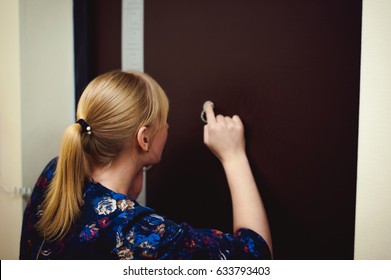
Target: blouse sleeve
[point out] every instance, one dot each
(30, 239)
(156, 237)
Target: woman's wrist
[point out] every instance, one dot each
(234, 160)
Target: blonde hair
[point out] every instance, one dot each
(115, 105)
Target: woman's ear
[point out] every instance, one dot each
(143, 138)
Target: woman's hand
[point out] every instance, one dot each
(224, 136)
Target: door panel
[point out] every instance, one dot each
(290, 69)
(97, 40)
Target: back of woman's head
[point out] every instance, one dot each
(115, 106)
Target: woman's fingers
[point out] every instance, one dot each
(223, 134)
(236, 119)
(220, 119)
(208, 109)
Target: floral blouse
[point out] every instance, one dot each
(113, 226)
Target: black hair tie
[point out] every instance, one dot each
(85, 127)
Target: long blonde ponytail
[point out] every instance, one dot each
(64, 197)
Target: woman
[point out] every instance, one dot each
(83, 205)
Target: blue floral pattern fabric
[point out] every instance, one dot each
(113, 226)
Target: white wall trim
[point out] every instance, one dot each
(373, 204)
(132, 51)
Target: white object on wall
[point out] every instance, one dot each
(132, 56)
(373, 207)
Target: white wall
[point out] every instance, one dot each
(10, 127)
(37, 99)
(373, 212)
(47, 64)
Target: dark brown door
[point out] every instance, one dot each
(291, 70)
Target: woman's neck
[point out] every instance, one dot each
(122, 175)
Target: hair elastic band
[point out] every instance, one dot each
(85, 127)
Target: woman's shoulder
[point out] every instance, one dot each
(105, 202)
(107, 209)
(43, 181)
(47, 174)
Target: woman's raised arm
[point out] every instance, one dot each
(224, 136)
